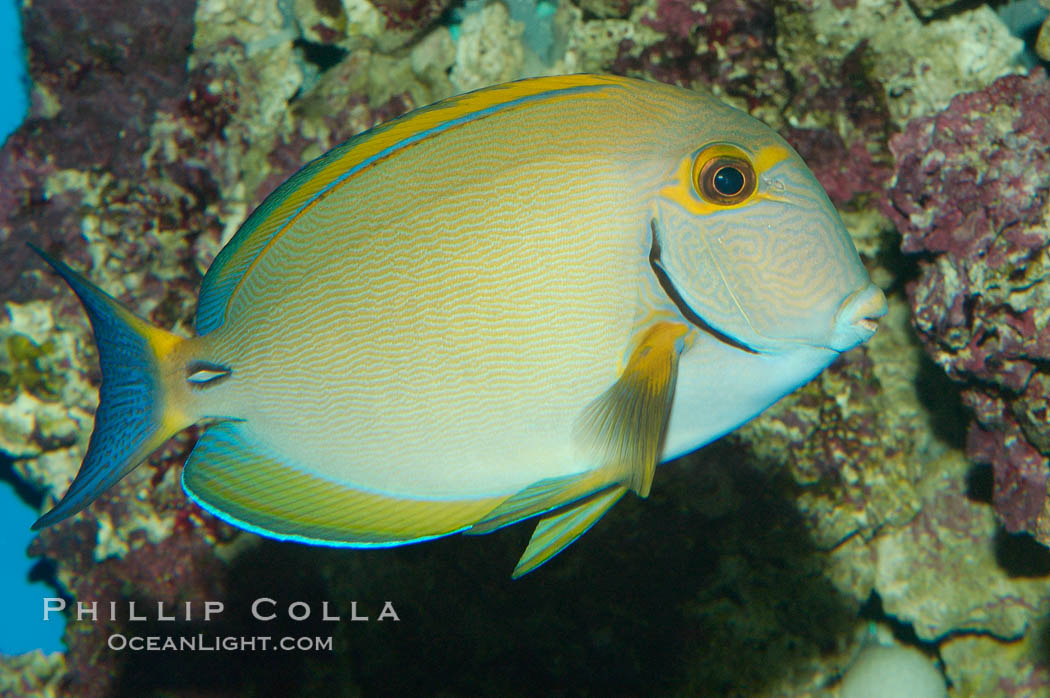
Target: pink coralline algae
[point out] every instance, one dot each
(844, 170)
(727, 44)
(107, 69)
(971, 196)
(730, 47)
(412, 15)
(850, 155)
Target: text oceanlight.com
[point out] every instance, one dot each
(205, 643)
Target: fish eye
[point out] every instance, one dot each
(723, 175)
(728, 180)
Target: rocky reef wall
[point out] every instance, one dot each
(906, 486)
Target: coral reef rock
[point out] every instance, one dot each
(154, 130)
(972, 194)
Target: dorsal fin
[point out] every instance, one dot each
(342, 163)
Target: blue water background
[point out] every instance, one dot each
(21, 602)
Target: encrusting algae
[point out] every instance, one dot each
(762, 555)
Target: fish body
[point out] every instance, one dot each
(512, 303)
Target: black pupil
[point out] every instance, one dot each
(728, 181)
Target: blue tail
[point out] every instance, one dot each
(131, 421)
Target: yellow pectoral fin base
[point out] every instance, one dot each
(625, 426)
(623, 429)
(238, 481)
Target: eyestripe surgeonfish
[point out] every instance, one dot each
(513, 303)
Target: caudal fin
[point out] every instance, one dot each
(133, 416)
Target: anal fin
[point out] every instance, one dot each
(540, 498)
(557, 531)
(242, 482)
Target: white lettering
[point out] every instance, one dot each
(84, 609)
(353, 612)
(117, 642)
(212, 607)
(305, 611)
(324, 612)
(388, 612)
(160, 612)
(259, 602)
(55, 604)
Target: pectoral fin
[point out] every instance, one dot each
(556, 532)
(624, 427)
(621, 432)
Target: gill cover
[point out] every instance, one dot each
(752, 245)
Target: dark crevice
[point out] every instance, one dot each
(904, 267)
(32, 496)
(940, 396)
(324, 56)
(980, 483)
(956, 8)
(903, 633)
(1021, 555)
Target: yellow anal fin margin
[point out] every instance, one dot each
(240, 482)
(556, 532)
(624, 427)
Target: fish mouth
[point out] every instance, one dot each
(868, 324)
(857, 318)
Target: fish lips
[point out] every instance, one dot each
(857, 318)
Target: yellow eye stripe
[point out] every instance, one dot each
(683, 187)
